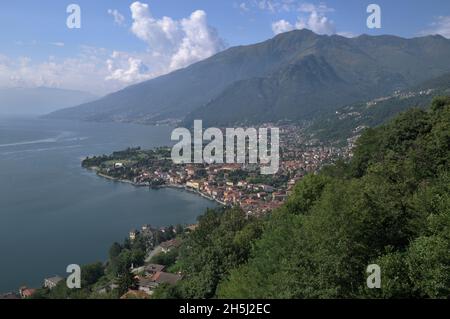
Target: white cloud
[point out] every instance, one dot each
(171, 44)
(441, 26)
(282, 26)
(309, 8)
(279, 6)
(126, 69)
(58, 44)
(275, 5)
(347, 34)
(119, 19)
(316, 20)
(86, 72)
(243, 7)
(199, 41)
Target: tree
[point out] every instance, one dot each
(393, 209)
(90, 274)
(115, 251)
(126, 282)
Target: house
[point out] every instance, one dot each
(152, 269)
(167, 246)
(166, 278)
(267, 188)
(9, 296)
(193, 184)
(192, 228)
(52, 282)
(147, 285)
(242, 184)
(27, 292)
(133, 234)
(135, 294)
(147, 232)
(107, 288)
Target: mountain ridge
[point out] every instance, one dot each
(300, 74)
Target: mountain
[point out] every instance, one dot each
(389, 206)
(349, 120)
(38, 101)
(295, 76)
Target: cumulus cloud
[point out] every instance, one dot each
(316, 20)
(172, 44)
(119, 19)
(199, 41)
(282, 26)
(441, 26)
(86, 72)
(127, 69)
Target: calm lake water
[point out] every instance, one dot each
(53, 213)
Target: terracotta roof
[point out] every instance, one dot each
(170, 243)
(28, 292)
(166, 278)
(135, 294)
(154, 268)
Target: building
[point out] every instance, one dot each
(167, 246)
(52, 282)
(27, 292)
(193, 184)
(135, 294)
(9, 296)
(107, 288)
(192, 228)
(133, 234)
(166, 278)
(147, 285)
(152, 269)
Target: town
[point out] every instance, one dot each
(230, 185)
(238, 184)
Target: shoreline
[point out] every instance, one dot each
(171, 186)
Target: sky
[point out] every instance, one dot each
(123, 42)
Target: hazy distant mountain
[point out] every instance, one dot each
(41, 100)
(295, 76)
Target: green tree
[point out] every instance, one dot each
(126, 281)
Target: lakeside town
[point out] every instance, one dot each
(151, 243)
(239, 185)
(231, 185)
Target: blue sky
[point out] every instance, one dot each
(114, 49)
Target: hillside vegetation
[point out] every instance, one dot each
(389, 206)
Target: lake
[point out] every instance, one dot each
(54, 213)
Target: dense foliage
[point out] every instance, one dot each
(112, 279)
(389, 206)
(340, 124)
